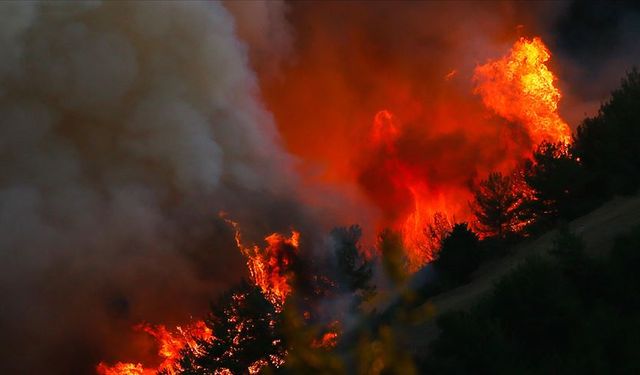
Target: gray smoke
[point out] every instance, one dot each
(124, 129)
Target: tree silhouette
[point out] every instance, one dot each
(499, 205)
(558, 182)
(354, 269)
(609, 144)
(460, 253)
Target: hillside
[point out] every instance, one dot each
(597, 229)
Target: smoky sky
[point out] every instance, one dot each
(595, 43)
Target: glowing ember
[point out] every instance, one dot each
(520, 88)
(170, 345)
(329, 339)
(269, 267)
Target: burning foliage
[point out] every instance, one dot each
(270, 267)
(171, 344)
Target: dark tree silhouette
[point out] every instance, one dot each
(460, 254)
(609, 143)
(393, 259)
(499, 205)
(354, 270)
(558, 182)
(575, 316)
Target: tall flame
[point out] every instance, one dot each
(427, 222)
(270, 267)
(521, 88)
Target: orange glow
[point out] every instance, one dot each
(121, 368)
(422, 201)
(521, 88)
(329, 339)
(170, 344)
(269, 267)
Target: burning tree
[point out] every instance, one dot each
(246, 336)
(499, 205)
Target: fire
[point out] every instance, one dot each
(121, 368)
(170, 344)
(270, 267)
(427, 221)
(328, 339)
(521, 88)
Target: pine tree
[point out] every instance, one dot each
(499, 205)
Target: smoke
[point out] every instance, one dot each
(596, 43)
(125, 129)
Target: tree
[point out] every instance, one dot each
(355, 270)
(499, 205)
(558, 182)
(394, 260)
(460, 254)
(246, 332)
(609, 144)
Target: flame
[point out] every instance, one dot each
(170, 344)
(269, 267)
(520, 87)
(329, 339)
(121, 368)
(428, 218)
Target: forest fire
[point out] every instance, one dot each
(170, 345)
(361, 160)
(270, 267)
(521, 88)
(518, 87)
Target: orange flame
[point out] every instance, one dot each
(121, 368)
(170, 346)
(269, 267)
(329, 339)
(520, 87)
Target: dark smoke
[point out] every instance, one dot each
(125, 129)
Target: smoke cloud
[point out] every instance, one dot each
(125, 129)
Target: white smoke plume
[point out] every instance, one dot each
(125, 127)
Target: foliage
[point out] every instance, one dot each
(558, 182)
(546, 317)
(499, 205)
(460, 254)
(302, 357)
(355, 270)
(393, 258)
(382, 355)
(609, 144)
